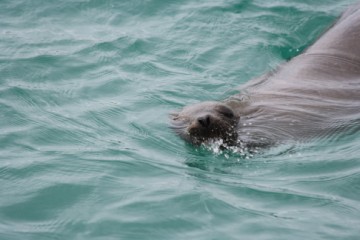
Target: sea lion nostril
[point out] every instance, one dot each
(204, 121)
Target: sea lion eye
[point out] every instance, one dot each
(226, 112)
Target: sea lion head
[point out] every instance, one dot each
(206, 122)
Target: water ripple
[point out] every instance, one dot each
(86, 153)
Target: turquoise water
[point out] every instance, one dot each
(86, 153)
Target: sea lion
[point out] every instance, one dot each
(312, 95)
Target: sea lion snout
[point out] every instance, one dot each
(203, 122)
(204, 126)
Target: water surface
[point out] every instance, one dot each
(86, 153)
